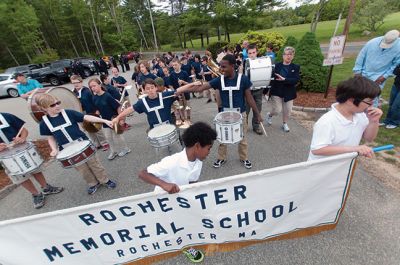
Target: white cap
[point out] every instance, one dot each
(389, 39)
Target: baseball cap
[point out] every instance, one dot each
(389, 39)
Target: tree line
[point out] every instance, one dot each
(37, 31)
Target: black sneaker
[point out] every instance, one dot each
(218, 163)
(38, 200)
(246, 163)
(93, 189)
(110, 184)
(52, 190)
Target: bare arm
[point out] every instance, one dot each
(252, 104)
(53, 145)
(91, 118)
(337, 150)
(193, 87)
(151, 179)
(123, 114)
(373, 115)
(22, 136)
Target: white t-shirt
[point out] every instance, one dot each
(334, 129)
(176, 169)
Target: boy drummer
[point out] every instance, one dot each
(61, 127)
(10, 125)
(234, 90)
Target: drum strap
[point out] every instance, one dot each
(4, 124)
(60, 127)
(231, 88)
(156, 108)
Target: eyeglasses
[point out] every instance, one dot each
(55, 104)
(368, 103)
(288, 54)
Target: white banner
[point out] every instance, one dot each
(257, 205)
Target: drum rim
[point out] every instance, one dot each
(174, 130)
(30, 146)
(79, 163)
(68, 157)
(30, 98)
(224, 122)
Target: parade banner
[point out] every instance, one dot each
(258, 205)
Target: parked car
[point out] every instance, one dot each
(88, 66)
(25, 69)
(133, 56)
(8, 85)
(54, 73)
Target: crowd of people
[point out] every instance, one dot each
(165, 87)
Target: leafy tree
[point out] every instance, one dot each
(370, 14)
(310, 58)
(263, 39)
(215, 47)
(290, 41)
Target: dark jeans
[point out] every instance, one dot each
(393, 115)
(257, 95)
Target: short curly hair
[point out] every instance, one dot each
(201, 133)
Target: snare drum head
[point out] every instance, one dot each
(161, 130)
(66, 96)
(15, 149)
(73, 148)
(228, 117)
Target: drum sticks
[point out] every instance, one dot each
(262, 127)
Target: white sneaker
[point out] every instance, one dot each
(391, 126)
(124, 152)
(269, 118)
(111, 156)
(285, 127)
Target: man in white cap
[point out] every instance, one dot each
(379, 57)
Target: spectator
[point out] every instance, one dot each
(26, 86)
(392, 120)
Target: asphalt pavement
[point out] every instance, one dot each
(368, 232)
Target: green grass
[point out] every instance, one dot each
(324, 32)
(390, 152)
(385, 136)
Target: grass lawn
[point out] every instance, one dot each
(324, 32)
(385, 136)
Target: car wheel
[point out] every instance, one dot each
(12, 92)
(54, 81)
(87, 72)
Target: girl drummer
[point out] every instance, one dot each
(13, 132)
(62, 128)
(108, 108)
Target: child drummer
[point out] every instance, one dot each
(183, 168)
(234, 90)
(13, 132)
(61, 127)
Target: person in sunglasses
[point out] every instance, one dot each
(352, 118)
(62, 128)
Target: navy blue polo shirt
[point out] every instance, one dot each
(15, 125)
(165, 113)
(73, 130)
(186, 68)
(113, 92)
(205, 69)
(86, 100)
(182, 75)
(238, 95)
(143, 77)
(167, 81)
(107, 106)
(197, 68)
(120, 80)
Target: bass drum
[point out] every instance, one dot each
(260, 71)
(66, 96)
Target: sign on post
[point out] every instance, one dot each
(335, 52)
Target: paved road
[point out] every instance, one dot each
(368, 232)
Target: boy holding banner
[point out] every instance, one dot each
(351, 119)
(183, 168)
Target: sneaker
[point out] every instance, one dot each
(391, 126)
(105, 147)
(258, 131)
(195, 256)
(285, 127)
(110, 184)
(247, 164)
(382, 124)
(218, 163)
(209, 100)
(93, 189)
(51, 190)
(124, 152)
(269, 118)
(38, 200)
(111, 156)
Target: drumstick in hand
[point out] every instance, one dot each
(262, 127)
(18, 134)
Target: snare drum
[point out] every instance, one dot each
(163, 135)
(76, 153)
(229, 127)
(260, 71)
(20, 160)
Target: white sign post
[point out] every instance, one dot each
(335, 52)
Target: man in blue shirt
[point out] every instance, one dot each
(378, 58)
(230, 99)
(26, 86)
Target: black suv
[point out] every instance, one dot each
(54, 73)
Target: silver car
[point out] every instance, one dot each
(8, 86)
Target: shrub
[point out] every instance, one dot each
(290, 41)
(263, 39)
(48, 56)
(310, 58)
(215, 47)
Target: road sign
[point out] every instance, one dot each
(332, 61)
(335, 52)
